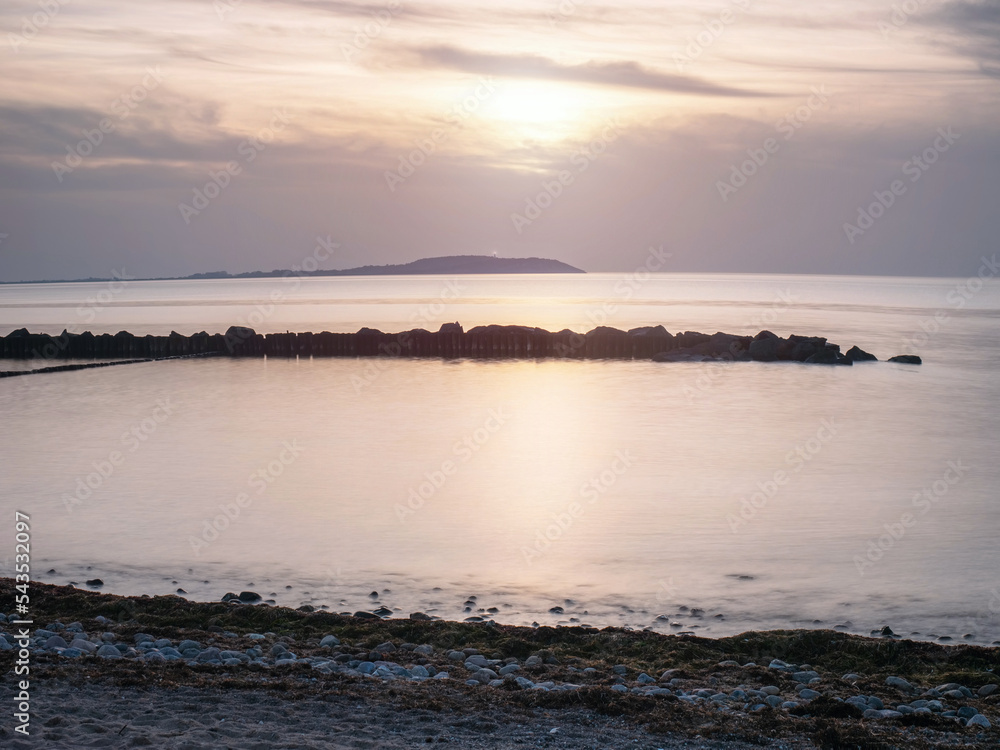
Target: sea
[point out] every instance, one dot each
(710, 498)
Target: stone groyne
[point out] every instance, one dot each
(450, 342)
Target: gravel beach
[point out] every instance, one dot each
(108, 671)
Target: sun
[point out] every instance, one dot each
(539, 111)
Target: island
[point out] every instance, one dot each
(444, 265)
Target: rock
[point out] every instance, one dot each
(533, 661)
(229, 597)
(82, 645)
(906, 359)
(658, 331)
(385, 648)
(366, 616)
(764, 347)
(899, 683)
(987, 690)
(967, 712)
(476, 661)
(71, 653)
(238, 334)
(645, 679)
(95, 583)
(249, 597)
(382, 612)
(184, 645)
(330, 640)
(807, 695)
(773, 700)
(54, 642)
(485, 675)
(770, 690)
(210, 654)
(827, 357)
(860, 355)
(108, 651)
(876, 703)
(504, 671)
(450, 328)
(979, 721)
(420, 671)
(420, 616)
(620, 669)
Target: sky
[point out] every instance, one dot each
(170, 138)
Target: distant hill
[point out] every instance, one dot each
(448, 264)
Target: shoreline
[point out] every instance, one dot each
(800, 688)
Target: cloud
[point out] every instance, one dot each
(976, 28)
(625, 74)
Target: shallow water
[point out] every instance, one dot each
(619, 491)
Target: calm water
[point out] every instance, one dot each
(775, 495)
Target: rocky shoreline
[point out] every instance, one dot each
(821, 688)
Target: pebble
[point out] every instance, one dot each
(496, 673)
(108, 651)
(54, 642)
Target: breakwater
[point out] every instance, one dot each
(450, 342)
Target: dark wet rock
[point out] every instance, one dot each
(306, 608)
(860, 355)
(654, 331)
(450, 328)
(95, 582)
(906, 359)
(420, 616)
(366, 615)
(690, 338)
(605, 331)
(764, 347)
(249, 597)
(230, 597)
(828, 357)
